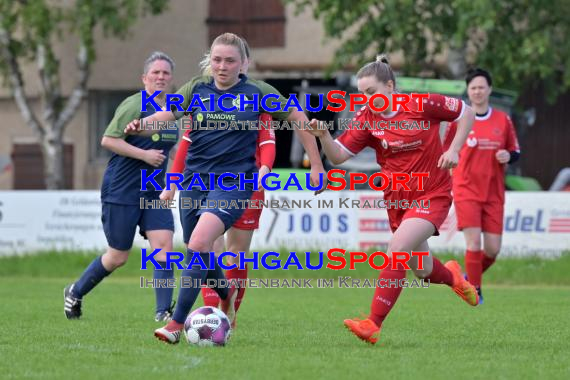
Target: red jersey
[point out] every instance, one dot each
(411, 145)
(479, 176)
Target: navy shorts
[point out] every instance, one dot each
(120, 223)
(189, 215)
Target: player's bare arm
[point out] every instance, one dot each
(333, 152)
(310, 145)
(138, 126)
(153, 157)
(450, 158)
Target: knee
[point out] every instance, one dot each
(421, 273)
(426, 267)
(164, 246)
(200, 244)
(474, 243)
(115, 259)
(492, 250)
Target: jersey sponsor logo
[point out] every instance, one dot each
(451, 104)
(471, 142)
(221, 116)
(384, 143)
(399, 145)
(155, 137)
(200, 117)
(236, 102)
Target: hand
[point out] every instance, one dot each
(448, 160)
(313, 124)
(262, 172)
(503, 156)
(154, 157)
(316, 170)
(133, 128)
(167, 195)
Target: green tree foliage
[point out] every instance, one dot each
(519, 41)
(29, 30)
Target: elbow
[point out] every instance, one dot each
(336, 160)
(105, 142)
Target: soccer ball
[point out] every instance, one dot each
(207, 326)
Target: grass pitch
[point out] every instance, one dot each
(520, 332)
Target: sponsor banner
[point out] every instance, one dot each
(535, 223)
(307, 228)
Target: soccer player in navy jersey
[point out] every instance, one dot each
(120, 193)
(219, 151)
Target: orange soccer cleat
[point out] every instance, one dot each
(461, 286)
(364, 329)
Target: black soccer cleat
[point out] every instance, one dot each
(165, 316)
(71, 305)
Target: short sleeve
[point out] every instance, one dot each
(512, 144)
(353, 140)
(276, 101)
(444, 108)
(127, 111)
(186, 91)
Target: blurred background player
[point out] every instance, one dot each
(218, 151)
(406, 150)
(120, 193)
(479, 179)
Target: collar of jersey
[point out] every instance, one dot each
(486, 116)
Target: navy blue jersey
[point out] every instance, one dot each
(228, 145)
(122, 179)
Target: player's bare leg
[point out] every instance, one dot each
(207, 230)
(411, 235)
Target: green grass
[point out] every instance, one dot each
(522, 331)
(507, 271)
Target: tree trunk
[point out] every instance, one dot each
(52, 151)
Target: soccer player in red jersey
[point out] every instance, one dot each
(403, 149)
(479, 179)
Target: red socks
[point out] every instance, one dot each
(487, 262)
(473, 266)
(440, 274)
(385, 297)
(238, 274)
(210, 297)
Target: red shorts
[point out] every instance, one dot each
(487, 216)
(436, 213)
(249, 220)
